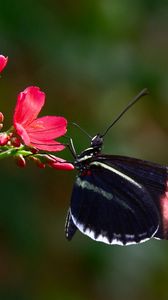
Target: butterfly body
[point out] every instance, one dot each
(117, 199)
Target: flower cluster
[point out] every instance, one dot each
(31, 137)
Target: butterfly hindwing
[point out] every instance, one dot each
(110, 206)
(152, 176)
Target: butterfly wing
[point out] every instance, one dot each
(152, 176)
(111, 206)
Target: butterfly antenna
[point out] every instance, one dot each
(75, 124)
(143, 93)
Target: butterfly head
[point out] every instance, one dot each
(87, 154)
(97, 142)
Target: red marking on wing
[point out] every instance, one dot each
(164, 211)
(86, 173)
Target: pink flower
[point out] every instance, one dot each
(37, 132)
(3, 62)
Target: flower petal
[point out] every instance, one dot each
(3, 62)
(48, 127)
(22, 133)
(29, 104)
(48, 145)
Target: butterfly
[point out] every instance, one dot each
(117, 199)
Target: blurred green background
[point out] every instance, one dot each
(90, 58)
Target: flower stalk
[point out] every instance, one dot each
(14, 152)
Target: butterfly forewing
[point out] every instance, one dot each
(111, 205)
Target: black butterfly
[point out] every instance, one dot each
(117, 199)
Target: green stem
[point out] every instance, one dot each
(14, 152)
(8, 153)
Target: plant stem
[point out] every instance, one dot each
(14, 152)
(8, 153)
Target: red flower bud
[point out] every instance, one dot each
(15, 142)
(62, 166)
(40, 165)
(4, 138)
(34, 150)
(1, 117)
(59, 163)
(20, 161)
(3, 62)
(38, 162)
